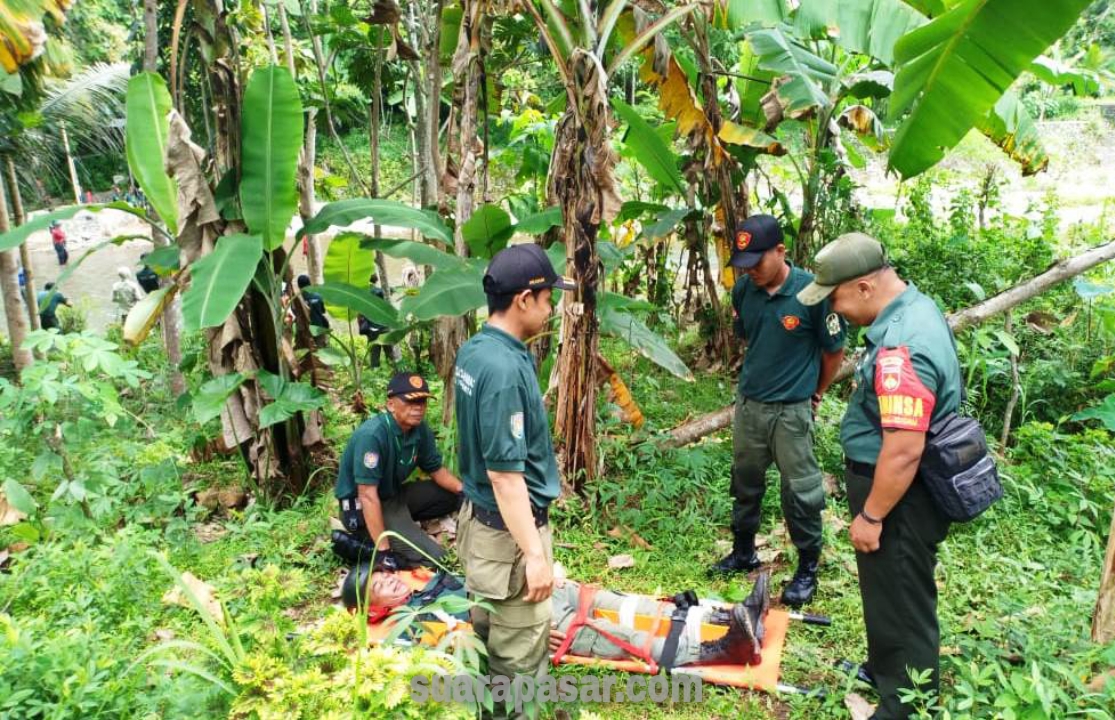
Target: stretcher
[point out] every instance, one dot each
(764, 676)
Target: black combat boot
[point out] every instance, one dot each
(743, 557)
(742, 644)
(803, 585)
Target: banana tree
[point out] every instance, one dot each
(952, 73)
(233, 265)
(455, 288)
(579, 37)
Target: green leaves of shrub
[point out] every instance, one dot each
(272, 130)
(487, 231)
(219, 280)
(209, 400)
(289, 398)
(145, 138)
(358, 300)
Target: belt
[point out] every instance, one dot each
(494, 520)
(859, 468)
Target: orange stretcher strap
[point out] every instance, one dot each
(580, 620)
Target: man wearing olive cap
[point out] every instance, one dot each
(909, 377)
(793, 352)
(371, 482)
(507, 463)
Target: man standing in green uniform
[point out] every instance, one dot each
(793, 352)
(49, 300)
(507, 463)
(378, 458)
(908, 378)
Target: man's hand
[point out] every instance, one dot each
(864, 535)
(815, 402)
(557, 637)
(540, 579)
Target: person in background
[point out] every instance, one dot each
(372, 487)
(126, 292)
(58, 238)
(371, 330)
(317, 310)
(146, 277)
(49, 300)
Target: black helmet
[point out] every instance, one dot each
(355, 587)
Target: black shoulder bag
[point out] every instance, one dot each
(957, 468)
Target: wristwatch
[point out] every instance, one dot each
(870, 520)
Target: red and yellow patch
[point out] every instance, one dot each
(905, 403)
(743, 239)
(791, 322)
(415, 381)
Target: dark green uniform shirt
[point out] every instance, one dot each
(784, 338)
(378, 453)
(501, 421)
(909, 375)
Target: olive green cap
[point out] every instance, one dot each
(847, 257)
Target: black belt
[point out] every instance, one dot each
(861, 469)
(494, 520)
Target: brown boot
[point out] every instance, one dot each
(742, 644)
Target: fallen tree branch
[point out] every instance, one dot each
(697, 428)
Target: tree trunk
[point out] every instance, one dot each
(581, 179)
(306, 161)
(150, 35)
(468, 66)
(172, 317)
(9, 287)
(1103, 621)
(76, 185)
(319, 62)
(693, 430)
(1015, 390)
(29, 296)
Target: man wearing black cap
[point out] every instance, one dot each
(378, 459)
(507, 463)
(793, 352)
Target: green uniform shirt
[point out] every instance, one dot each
(378, 453)
(909, 375)
(501, 421)
(784, 338)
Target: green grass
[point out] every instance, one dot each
(1017, 586)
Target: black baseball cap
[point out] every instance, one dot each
(523, 267)
(408, 386)
(754, 236)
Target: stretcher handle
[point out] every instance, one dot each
(810, 619)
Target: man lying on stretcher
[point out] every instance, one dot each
(577, 631)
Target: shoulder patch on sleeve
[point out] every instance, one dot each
(832, 324)
(517, 425)
(371, 460)
(905, 403)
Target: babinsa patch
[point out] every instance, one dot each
(516, 423)
(905, 403)
(371, 460)
(832, 322)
